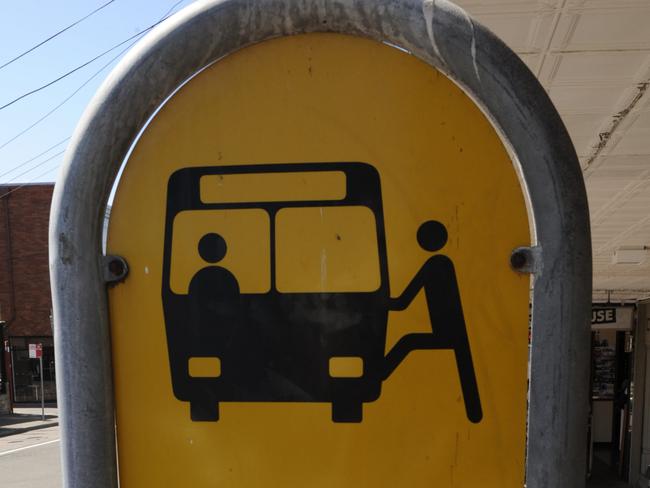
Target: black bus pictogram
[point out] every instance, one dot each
(278, 344)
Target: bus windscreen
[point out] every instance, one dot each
(273, 187)
(327, 250)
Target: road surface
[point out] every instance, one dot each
(31, 459)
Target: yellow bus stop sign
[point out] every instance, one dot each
(318, 230)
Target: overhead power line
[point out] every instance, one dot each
(74, 70)
(18, 166)
(83, 65)
(80, 87)
(28, 183)
(76, 22)
(36, 166)
(164, 17)
(65, 100)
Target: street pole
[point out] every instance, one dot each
(13, 377)
(40, 360)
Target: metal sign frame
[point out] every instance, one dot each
(438, 33)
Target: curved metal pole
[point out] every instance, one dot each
(438, 33)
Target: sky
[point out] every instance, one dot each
(33, 156)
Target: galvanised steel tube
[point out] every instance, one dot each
(438, 33)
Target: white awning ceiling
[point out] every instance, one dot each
(593, 58)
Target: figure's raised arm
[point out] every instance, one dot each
(410, 292)
(432, 236)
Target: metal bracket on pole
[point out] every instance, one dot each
(527, 259)
(116, 269)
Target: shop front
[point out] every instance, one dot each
(26, 377)
(615, 335)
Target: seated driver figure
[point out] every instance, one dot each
(214, 293)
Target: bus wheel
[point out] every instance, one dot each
(202, 411)
(347, 411)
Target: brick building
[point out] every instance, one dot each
(25, 300)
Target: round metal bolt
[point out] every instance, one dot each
(116, 267)
(519, 259)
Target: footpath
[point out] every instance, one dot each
(28, 418)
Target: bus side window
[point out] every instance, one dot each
(247, 236)
(327, 249)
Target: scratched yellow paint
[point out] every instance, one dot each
(331, 249)
(329, 98)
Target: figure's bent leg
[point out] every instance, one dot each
(467, 376)
(452, 337)
(417, 341)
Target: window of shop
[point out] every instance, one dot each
(27, 372)
(611, 393)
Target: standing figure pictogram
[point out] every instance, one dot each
(438, 279)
